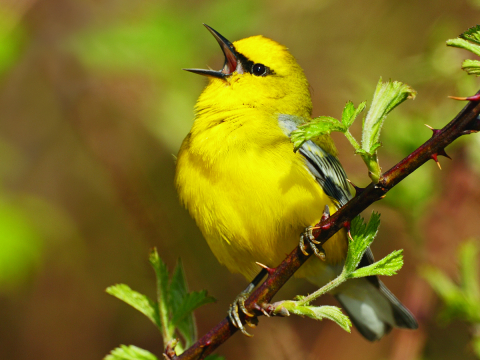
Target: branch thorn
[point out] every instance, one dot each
(468, 132)
(443, 153)
(358, 190)
(435, 131)
(434, 157)
(269, 269)
(468, 98)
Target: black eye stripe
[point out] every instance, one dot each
(251, 67)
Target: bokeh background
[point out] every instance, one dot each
(93, 108)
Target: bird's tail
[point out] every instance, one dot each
(373, 309)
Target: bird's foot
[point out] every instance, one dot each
(307, 237)
(239, 305)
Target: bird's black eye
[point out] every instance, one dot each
(259, 70)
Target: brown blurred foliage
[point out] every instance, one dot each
(93, 104)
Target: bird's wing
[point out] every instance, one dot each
(324, 166)
(329, 173)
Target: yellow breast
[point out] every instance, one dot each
(249, 193)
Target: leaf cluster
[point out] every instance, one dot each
(469, 40)
(362, 237)
(171, 311)
(388, 95)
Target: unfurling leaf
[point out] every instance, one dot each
(350, 113)
(387, 96)
(363, 235)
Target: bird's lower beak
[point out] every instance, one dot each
(231, 58)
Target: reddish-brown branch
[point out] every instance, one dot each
(464, 123)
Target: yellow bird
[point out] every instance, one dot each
(252, 196)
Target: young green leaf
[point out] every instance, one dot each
(464, 44)
(472, 67)
(363, 235)
(350, 113)
(388, 266)
(332, 313)
(130, 353)
(472, 34)
(190, 302)
(161, 273)
(387, 96)
(139, 301)
(177, 292)
(322, 125)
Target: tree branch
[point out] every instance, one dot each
(464, 123)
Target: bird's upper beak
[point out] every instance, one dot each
(231, 58)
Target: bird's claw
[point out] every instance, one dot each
(307, 237)
(233, 313)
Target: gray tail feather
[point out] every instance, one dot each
(403, 317)
(387, 309)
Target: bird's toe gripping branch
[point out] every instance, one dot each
(307, 237)
(239, 305)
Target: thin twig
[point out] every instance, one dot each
(466, 122)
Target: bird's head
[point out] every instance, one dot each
(258, 73)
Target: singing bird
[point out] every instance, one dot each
(252, 196)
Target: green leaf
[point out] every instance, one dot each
(178, 291)
(332, 313)
(139, 301)
(322, 125)
(161, 273)
(387, 96)
(388, 266)
(472, 34)
(464, 44)
(363, 235)
(190, 302)
(130, 353)
(472, 67)
(350, 113)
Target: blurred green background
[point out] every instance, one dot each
(93, 108)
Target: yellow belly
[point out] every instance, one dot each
(252, 204)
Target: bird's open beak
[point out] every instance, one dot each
(231, 58)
